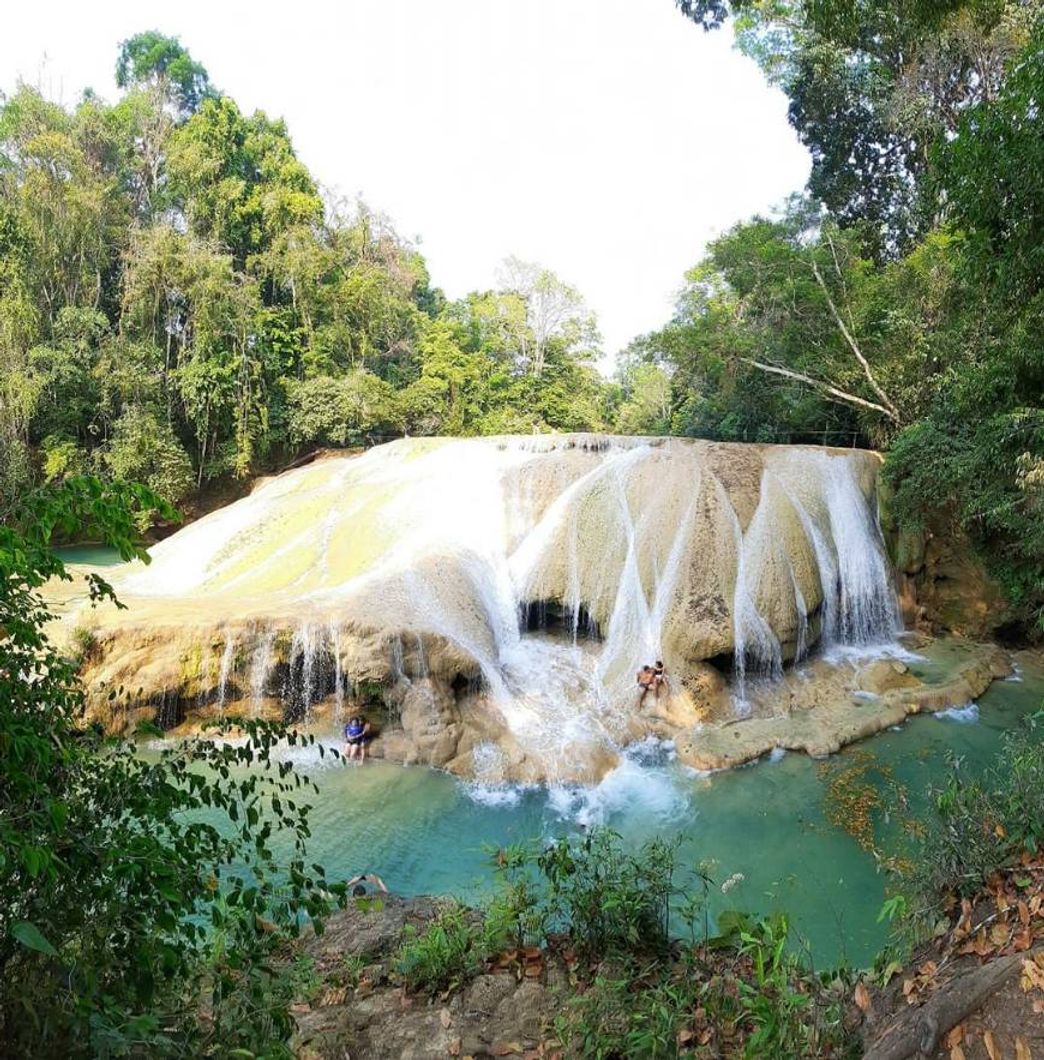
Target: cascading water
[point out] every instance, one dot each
(338, 675)
(432, 549)
(260, 669)
(867, 608)
(225, 669)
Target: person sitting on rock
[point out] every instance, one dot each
(646, 681)
(659, 678)
(356, 737)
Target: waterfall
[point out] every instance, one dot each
(227, 662)
(801, 643)
(338, 674)
(304, 650)
(260, 668)
(868, 612)
(677, 549)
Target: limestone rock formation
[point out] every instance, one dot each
(501, 592)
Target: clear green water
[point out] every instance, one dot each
(89, 555)
(425, 832)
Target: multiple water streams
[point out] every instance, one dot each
(429, 551)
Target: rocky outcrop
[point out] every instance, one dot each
(402, 574)
(943, 585)
(838, 705)
(368, 1016)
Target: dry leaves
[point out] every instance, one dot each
(955, 1037)
(335, 995)
(862, 997)
(991, 1045)
(527, 962)
(1022, 1050)
(1033, 973)
(915, 987)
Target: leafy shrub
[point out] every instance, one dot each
(751, 997)
(613, 1019)
(136, 895)
(342, 410)
(84, 643)
(144, 449)
(516, 916)
(442, 957)
(779, 1005)
(981, 823)
(610, 901)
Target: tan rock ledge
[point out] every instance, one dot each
(880, 695)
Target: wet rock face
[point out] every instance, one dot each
(430, 723)
(412, 574)
(943, 585)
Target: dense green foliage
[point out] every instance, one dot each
(179, 303)
(143, 904)
(980, 823)
(442, 957)
(898, 303)
(606, 912)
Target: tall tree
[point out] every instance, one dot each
(151, 59)
(873, 88)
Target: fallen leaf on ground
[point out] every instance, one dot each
(957, 1053)
(991, 1045)
(955, 1037)
(862, 997)
(445, 1018)
(1032, 976)
(1022, 1050)
(505, 1048)
(454, 1047)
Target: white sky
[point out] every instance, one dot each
(606, 139)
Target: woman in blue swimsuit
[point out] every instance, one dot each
(356, 737)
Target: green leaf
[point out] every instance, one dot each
(30, 937)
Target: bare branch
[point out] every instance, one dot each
(890, 409)
(842, 397)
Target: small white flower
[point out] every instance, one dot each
(736, 877)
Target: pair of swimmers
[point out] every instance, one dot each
(651, 679)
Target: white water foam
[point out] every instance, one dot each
(629, 788)
(966, 715)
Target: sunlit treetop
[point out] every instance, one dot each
(153, 59)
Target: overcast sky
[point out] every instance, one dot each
(606, 139)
